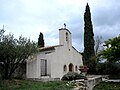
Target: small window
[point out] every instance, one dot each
(76, 68)
(65, 68)
(66, 36)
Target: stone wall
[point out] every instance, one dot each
(88, 84)
(91, 82)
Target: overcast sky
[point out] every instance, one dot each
(30, 17)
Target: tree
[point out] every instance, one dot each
(98, 48)
(112, 51)
(88, 36)
(112, 55)
(98, 44)
(89, 53)
(13, 53)
(40, 40)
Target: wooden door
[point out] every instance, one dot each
(43, 67)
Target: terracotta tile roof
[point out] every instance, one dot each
(49, 48)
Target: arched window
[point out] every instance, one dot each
(65, 68)
(66, 36)
(76, 68)
(71, 67)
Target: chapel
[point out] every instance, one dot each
(55, 61)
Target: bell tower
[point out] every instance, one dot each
(65, 37)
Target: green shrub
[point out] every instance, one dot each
(108, 68)
(73, 76)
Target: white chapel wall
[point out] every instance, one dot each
(64, 56)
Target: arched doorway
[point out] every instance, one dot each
(71, 67)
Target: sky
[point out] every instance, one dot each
(30, 17)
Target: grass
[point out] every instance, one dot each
(107, 86)
(32, 85)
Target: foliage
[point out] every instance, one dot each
(116, 76)
(73, 76)
(13, 53)
(40, 40)
(71, 84)
(112, 51)
(112, 57)
(108, 68)
(33, 85)
(92, 65)
(20, 72)
(89, 53)
(107, 86)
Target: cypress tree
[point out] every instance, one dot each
(89, 52)
(40, 40)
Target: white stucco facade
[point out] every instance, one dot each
(55, 61)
